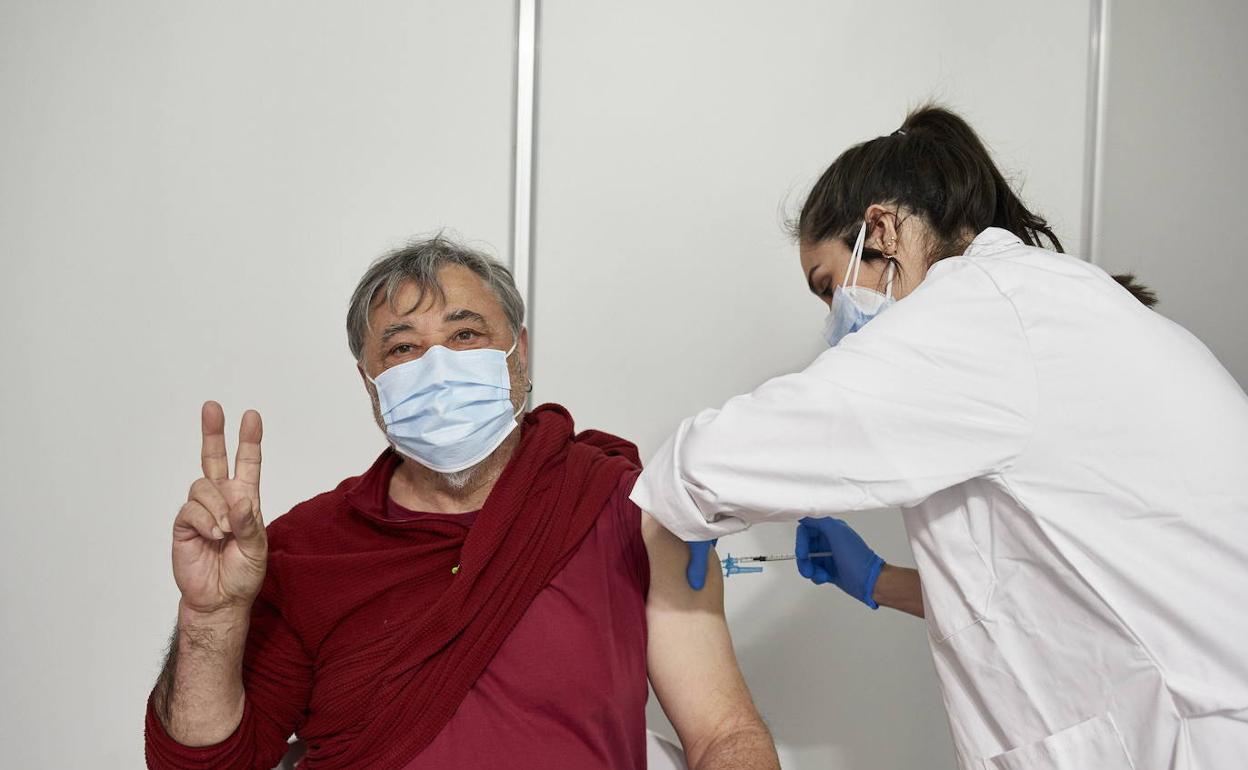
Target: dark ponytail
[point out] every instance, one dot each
(1138, 290)
(934, 166)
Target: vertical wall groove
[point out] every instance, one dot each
(522, 150)
(1098, 50)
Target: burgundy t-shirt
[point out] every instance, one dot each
(568, 687)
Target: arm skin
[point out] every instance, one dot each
(199, 696)
(900, 589)
(693, 668)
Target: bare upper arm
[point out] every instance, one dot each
(692, 666)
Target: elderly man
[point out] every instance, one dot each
(485, 595)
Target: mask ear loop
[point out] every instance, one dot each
(529, 389)
(528, 393)
(855, 259)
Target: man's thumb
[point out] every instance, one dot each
(245, 521)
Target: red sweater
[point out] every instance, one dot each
(566, 688)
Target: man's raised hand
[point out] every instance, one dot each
(219, 543)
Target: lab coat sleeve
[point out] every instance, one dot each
(939, 389)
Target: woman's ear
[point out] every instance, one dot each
(881, 229)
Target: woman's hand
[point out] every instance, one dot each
(846, 561)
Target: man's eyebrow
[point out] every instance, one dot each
(394, 329)
(464, 314)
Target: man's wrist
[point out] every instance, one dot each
(221, 617)
(204, 666)
(221, 630)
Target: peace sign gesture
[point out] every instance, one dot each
(219, 543)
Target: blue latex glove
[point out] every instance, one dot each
(853, 566)
(699, 552)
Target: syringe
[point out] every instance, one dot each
(781, 556)
(732, 564)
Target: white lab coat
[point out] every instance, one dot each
(1072, 469)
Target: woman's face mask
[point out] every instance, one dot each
(853, 305)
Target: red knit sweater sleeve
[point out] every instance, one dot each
(277, 679)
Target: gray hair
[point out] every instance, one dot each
(419, 262)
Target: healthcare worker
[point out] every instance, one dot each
(1071, 467)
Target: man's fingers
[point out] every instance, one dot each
(247, 459)
(194, 520)
(212, 456)
(205, 492)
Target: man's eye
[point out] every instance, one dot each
(466, 335)
(402, 349)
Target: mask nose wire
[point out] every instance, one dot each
(515, 343)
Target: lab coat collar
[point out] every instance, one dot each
(992, 241)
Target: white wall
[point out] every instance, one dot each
(1175, 161)
(670, 134)
(188, 193)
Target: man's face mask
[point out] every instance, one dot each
(854, 305)
(449, 409)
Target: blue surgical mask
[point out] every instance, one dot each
(853, 305)
(449, 409)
